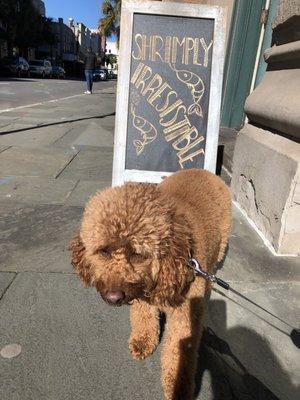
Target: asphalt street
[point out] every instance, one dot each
(16, 92)
(58, 340)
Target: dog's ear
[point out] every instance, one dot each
(174, 276)
(170, 281)
(79, 261)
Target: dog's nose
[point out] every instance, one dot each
(115, 297)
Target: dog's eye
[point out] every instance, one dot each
(104, 251)
(137, 258)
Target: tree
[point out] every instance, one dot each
(9, 10)
(110, 23)
(24, 25)
(111, 59)
(33, 29)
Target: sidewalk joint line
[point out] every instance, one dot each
(60, 171)
(57, 123)
(63, 135)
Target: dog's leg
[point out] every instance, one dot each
(144, 329)
(180, 351)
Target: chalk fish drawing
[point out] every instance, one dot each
(195, 84)
(147, 131)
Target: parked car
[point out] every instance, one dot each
(41, 68)
(100, 75)
(112, 74)
(17, 66)
(105, 71)
(58, 72)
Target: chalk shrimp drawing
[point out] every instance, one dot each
(147, 131)
(195, 84)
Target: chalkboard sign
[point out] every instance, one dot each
(169, 89)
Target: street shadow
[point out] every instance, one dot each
(9, 79)
(75, 78)
(37, 78)
(29, 128)
(229, 373)
(4, 78)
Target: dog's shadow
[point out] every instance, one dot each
(221, 374)
(229, 379)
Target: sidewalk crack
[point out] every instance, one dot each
(72, 190)
(8, 286)
(5, 148)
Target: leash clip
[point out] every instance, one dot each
(195, 265)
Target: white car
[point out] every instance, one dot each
(41, 68)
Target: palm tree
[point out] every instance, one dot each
(109, 24)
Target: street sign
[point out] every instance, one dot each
(169, 89)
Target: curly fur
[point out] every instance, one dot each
(138, 238)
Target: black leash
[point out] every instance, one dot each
(195, 265)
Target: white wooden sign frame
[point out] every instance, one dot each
(129, 8)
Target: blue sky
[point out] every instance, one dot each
(86, 11)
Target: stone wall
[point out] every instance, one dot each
(287, 9)
(266, 165)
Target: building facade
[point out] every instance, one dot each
(83, 36)
(64, 47)
(111, 48)
(3, 39)
(266, 168)
(71, 43)
(98, 44)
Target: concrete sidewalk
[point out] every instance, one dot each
(73, 346)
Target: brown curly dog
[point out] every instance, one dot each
(134, 245)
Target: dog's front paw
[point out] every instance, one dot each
(141, 347)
